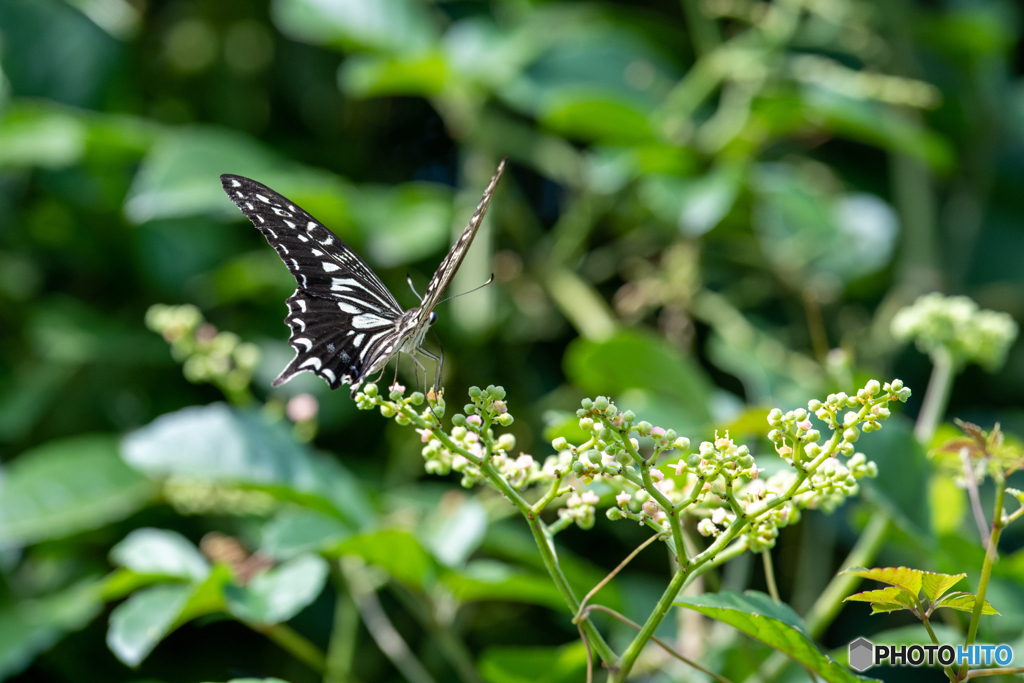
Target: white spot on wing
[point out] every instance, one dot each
(298, 321)
(262, 199)
(358, 340)
(329, 375)
(349, 308)
(289, 224)
(361, 322)
(235, 183)
(302, 341)
(315, 362)
(330, 267)
(302, 304)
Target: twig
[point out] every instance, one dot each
(590, 656)
(972, 493)
(769, 576)
(607, 610)
(611, 575)
(388, 639)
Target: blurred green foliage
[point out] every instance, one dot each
(733, 196)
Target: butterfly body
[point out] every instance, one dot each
(345, 324)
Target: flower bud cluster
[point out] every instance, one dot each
(207, 355)
(957, 324)
(581, 508)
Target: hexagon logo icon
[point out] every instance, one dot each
(862, 654)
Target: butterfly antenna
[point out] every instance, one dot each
(454, 296)
(408, 278)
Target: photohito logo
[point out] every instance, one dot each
(864, 655)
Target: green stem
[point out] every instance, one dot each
(341, 649)
(296, 645)
(830, 602)
(936, 396)
(703, 30)
(986, 568)
(769, 576)
(629, 657)
(931, 634)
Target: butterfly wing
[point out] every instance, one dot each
(321, 263)
(343, 320)
(450, 265)
(335, 340)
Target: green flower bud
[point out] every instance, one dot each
(614, 514)
(896, 384)
(474, 393)
(506, 442)
(370, 390)
(577, 468)
(458, 420)
(903, 395)
(416, 398)
(587, 424)
(670, 435)
(587, 404)
(505, 419)
(396, 395)
(438, 410)
(682, 443)
(628, 417)
(774, 417)
(469, 409)
(814, 405)
(402, 420)
(601, 403)
(560, 444)
(499, 393)
(693, 461)
(387, 411)
(851, 435)
(644, 428)
(605, 434)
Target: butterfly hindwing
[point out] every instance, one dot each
(318, 260)
(334, 339)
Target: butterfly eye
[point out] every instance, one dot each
(433, 317)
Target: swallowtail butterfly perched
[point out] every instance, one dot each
(345, 324)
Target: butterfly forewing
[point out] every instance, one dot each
(450, 265)
(320, 262)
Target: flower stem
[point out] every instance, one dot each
(986, 567)
(936, 396)
(298, 646)
(769, 576)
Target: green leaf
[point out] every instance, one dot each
(905, 577)
(775, 625)
(295, 531)
(965, 602)
(887, 599)
(139, 623)
(42, 136)
(693, 205)
(635, 360)
(404, 223)
(455, 531)
(566, 664)
(216, 443)
(144, 619)
(386, 25)
(597, 117)
(396, 551)
(935, 585)
(180, 176)
(280, 593)
(376, 76)
(65, 487)
(160, 552)
(492, 580)
(34, 626)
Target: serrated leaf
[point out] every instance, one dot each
(775, 625)
(892, 595)
(280, 593)
(161, 552)
(67, 486)
(935, 585)
(217, 443)
(905, 577)
(964, 602)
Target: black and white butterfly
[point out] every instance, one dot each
(345, 324)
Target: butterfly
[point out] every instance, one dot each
(345, 324)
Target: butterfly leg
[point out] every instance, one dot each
(398, 361)
(416, 370)
(438, 364)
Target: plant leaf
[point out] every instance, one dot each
(892, 596)
(278, 594)
(778, 626)
(161, 552)
(393, 550)
(493, 580)
(142, 621)
(67, 486)
(935, 585)
(296, 531)
(566, 664)
(964, 602)
(905, 577)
